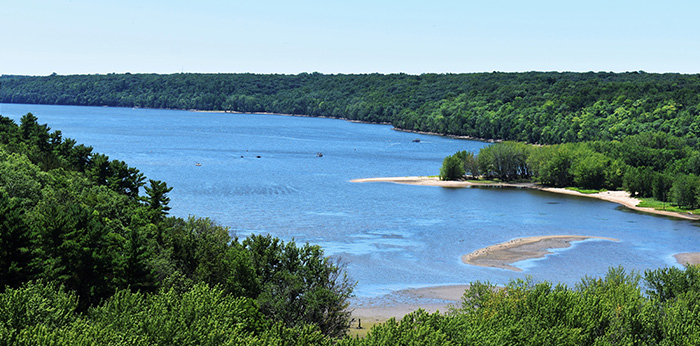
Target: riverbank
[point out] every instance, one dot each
(295, 115)
(619, 197)
(686, 258)
(448, 135)
(504, 254)
(368, 311)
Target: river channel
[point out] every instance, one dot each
(290, 177)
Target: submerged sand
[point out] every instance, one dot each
(504, 254)
(619, 197)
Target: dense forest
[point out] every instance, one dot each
(533, 107)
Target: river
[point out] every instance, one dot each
(290, 177)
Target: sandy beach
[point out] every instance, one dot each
(619, 197)
(504, 254)
(688, 258)
(367, 312)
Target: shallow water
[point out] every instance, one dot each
(391, 236)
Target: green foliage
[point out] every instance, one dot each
(39, 314)
(117, 269)
(667, 284)
(685, 189)
(157, 199)
(72, 246)
(15, 242)
(20, 178)
(588, 169)
(452, 168)
(598, 311)
(34, 305)
(506, 161)
(115, 174)
(585, 191)
(661, 186)
(552, 165)
(639, 181)
(299, 285)
(416, 328)
(471, 165)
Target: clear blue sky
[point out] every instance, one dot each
(331, 36)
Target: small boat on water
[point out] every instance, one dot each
(417, 140)
(319, 154)
(197, 164)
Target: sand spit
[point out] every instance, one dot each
(619, 197)
(688, 258)
(504, 254)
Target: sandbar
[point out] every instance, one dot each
(619, 197)
(686, 258)
(367, 311)
(504, 254)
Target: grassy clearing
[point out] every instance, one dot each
(585, 191)
(659, 205)
(362, 332)
(483, 181)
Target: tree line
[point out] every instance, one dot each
(651, 164)
(533, 107)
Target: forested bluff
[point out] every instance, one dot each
(532, 107)
(88, 252)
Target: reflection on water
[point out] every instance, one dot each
(391, 236)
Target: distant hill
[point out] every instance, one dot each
(534, 107)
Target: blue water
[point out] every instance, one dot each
(390, 236)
